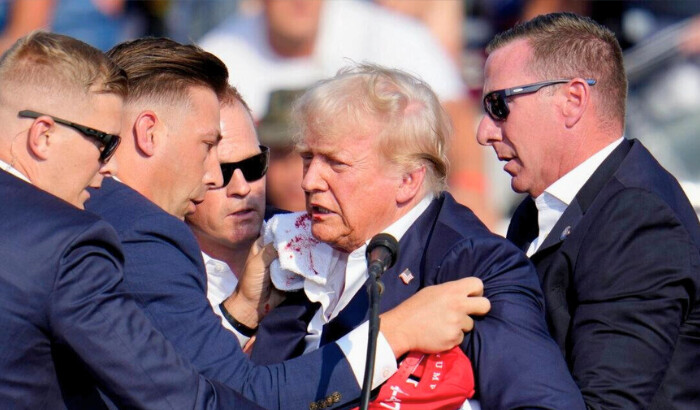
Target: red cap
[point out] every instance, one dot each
(428, 381)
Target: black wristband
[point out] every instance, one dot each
(240, 327)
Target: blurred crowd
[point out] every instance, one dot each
(275, 51)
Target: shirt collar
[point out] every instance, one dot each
(12, 170)
(223, 268)
(398, 228)
(565, 188)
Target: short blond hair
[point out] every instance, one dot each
(50, 60)
(414, 126)
(566, 45)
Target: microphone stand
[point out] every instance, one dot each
(375, 290)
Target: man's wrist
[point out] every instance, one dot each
(239, 308)
(393, 335)
(243, 329)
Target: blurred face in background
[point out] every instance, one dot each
(231, 216)
(292, 25)
(284, 180)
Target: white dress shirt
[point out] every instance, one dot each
(221, 282)
(10, 169)
(347, 277)
(552, 203)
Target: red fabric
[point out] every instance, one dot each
(439, 381)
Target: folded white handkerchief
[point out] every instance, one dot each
(301, 256)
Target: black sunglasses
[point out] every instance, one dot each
(495, 102)
(253, 168)
(109, 142)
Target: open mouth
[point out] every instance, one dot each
(244, 211)
(316, 209)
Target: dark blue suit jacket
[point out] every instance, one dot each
(516, 363)
(164, 271)
(64, 314)
(621, 276)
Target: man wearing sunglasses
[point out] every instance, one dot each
(228, 221)
(168, 161)
(612, 235)
(372, 140)
(68, 326)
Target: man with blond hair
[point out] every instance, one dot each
(168, 161)
(373, 142)
(613, 237)
(63, 312)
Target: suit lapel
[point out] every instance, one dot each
(586, 195)
(281, 334)
(523, 228)
(411, 256)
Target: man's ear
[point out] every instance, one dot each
(40, 138)
(411, 184)
(578, 94)
(145, 132)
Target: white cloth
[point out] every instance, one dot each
(552, 203)
(334, 288)
(10, 169)
(349, 31)
(300, 255)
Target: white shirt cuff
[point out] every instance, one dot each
(354, 346)
(242, 339)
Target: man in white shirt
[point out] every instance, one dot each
(372, 141)
(228, 221)
(68, 324)
(226, 225)
(612, 235)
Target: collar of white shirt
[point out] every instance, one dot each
(552, 203)
(349, 271)
(221, 281)
(12, 170)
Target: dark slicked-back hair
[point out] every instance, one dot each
(162, 70)
(566, 45)
(60, 64)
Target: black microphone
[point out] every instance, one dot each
(381, 254)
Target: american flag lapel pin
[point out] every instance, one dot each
(406, 276)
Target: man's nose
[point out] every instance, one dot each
(212, 175)
(313, 177)
(238, 185)
(487, 133)
(109, 169)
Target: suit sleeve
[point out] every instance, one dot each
(633, 291)
(135, 365)
(516, 363)
(171, 289)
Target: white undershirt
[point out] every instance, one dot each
(12, 170)
(552, 203)
(348, 275)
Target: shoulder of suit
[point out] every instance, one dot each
(47, 220)
(128, 210)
